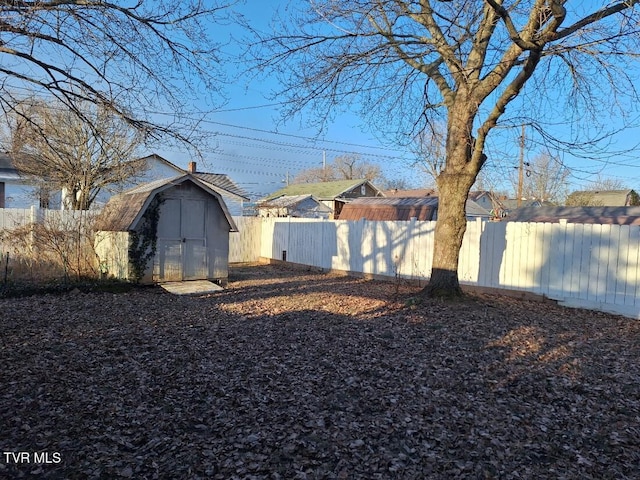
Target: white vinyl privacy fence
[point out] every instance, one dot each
(244, 245)
(589, 266)
(13, 218)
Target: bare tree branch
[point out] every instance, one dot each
(473, 65)
(132, 60)
(63, 153)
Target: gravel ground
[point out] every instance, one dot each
(291, 374)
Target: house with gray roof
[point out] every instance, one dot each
(589, 215)
(603, 198)
(298, 206)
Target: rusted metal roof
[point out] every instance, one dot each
(401, 208)
(390, 208)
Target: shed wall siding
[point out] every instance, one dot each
(217, 231)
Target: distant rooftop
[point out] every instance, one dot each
(320, 190)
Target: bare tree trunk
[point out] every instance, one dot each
(450, 228)
(454, 183)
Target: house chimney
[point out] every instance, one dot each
(192, 167)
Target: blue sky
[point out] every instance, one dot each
(258, 150)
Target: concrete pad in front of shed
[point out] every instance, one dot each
(192, 287)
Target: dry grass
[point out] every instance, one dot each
(290, 374)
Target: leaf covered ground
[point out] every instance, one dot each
(289, 374)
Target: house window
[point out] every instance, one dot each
(363, 189)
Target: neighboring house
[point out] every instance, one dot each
(191, 234)
(420, 207)
(233, 195)
(157, 168)
(22, 192)
(332, 194)
(473, 211)
(11, 185)
(488, 201)
(591, 215)
(17, 191)
(302, 206)
(604, 198)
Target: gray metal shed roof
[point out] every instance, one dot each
(222, 181)
(123, 212)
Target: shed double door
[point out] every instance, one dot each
(182, 247)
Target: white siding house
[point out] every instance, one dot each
(17, 191)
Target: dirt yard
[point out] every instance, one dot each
(299, 375)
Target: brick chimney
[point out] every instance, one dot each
(192, 167)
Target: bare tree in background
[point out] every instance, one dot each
(132, 61)
(545, 179)
(602, 183)
(429, 147)
(78, 157)
(345, 167)
(408, 63)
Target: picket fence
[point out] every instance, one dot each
(579, 265)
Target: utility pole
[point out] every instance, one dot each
(521, 169)
(324, 166)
